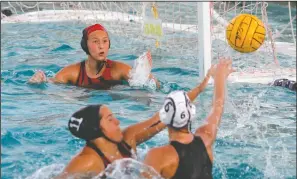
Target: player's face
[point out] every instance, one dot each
(98, 44)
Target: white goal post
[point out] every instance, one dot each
(204, 38)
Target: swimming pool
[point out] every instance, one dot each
(257, 137)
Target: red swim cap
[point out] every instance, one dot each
(93, 28)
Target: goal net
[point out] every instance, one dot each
(171, 29)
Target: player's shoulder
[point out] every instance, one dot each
(74, 66)
(160, 151)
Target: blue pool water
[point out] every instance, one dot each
(257, 137)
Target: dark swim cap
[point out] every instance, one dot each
(84, 123)
(86, 32)
(290, 84)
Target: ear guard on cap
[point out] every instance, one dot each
(177, 110)
(83, 42)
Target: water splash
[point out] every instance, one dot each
(255, 126)
(124, 169)
(47, 172)
(129, 169)
(139, 75)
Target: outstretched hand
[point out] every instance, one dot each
(224, 67)
(38, 77)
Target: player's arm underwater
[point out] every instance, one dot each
(143, 131)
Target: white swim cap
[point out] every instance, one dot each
(177, 110)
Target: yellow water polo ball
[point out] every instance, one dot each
(245, 33)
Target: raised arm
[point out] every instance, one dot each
(209, 130)
(192, 94)
(143, 131)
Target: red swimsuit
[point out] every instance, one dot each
(103, 82)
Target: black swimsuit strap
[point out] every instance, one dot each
(99, 152)
(124, 148)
